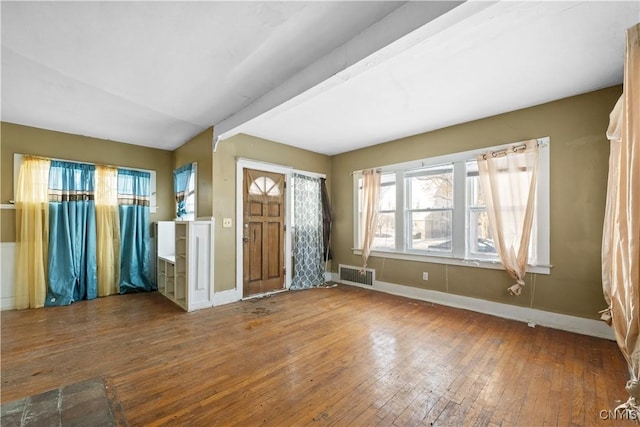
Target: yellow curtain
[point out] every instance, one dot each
(621, 231)
(108, 230)
(32, 232)
(369, 204)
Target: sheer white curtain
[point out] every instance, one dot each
(369, 210)
(508, 183)
(621, 231)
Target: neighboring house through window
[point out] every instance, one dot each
(432, 210)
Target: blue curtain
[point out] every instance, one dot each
(308, 250)
(133, 205)
(181, 186)
(72, 234)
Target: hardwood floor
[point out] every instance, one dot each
(336, 356)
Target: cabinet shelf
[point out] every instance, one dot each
(185, 262)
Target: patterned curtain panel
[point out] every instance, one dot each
(72, 234)
(181, 178)
(133, 201)
(308, 250)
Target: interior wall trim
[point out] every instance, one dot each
(533, 317)
(7, 275)
(225, 297)
(241, 164)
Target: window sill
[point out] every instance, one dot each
(537, 269)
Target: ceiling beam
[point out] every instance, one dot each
(406, 26)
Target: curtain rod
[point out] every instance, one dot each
(540, 142)
(378, 170)
(82, 162)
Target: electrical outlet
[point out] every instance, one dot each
(425, 275)
(226, 222)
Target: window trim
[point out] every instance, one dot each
(192, 216)
(407, 210)
(287, 171)
(458, 254)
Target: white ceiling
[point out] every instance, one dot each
(325, 76)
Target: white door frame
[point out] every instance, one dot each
(287, 171)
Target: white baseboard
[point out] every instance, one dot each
(225, 297)
(7, 303)
(531, 316)
(7, 275)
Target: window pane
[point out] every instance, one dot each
(474, 194)
(264, 186)
(388, 178)
(431, 188)
(385, 237)
(387, 192)
(480, 242)
(431, 231)
(190, 200)
(387, 200)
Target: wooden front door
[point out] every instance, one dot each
(263, 232)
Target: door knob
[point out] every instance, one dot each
(245, 239)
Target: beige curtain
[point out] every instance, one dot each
(108, 230)
(508, 183)
(32, 232)
(369, 210)
(621, 231)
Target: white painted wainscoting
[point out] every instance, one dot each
(7, 274)
(531, 316)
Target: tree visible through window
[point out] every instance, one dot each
(434, 207)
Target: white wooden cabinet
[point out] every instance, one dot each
(185, 262)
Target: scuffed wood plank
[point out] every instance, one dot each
(338, 356)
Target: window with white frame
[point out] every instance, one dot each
(433, 210)
(479, 244)
(190, 200)
(429, 208)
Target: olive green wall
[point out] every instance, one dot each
(224, 191)
(579, 154)
(199, 149)
(579, 163)
(29, 140)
